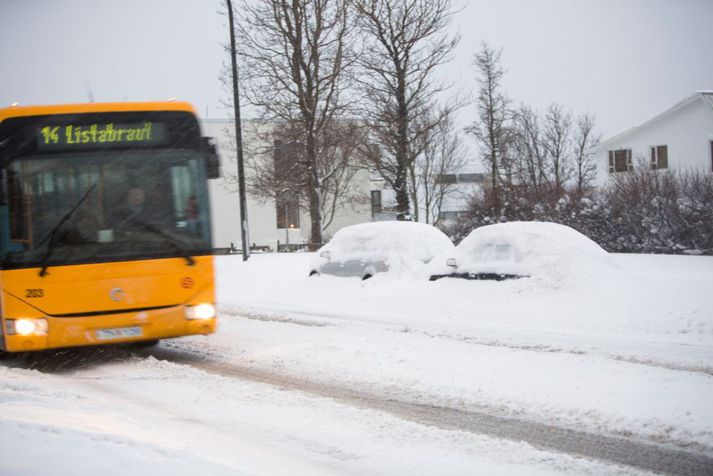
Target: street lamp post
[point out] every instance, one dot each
(238, 138)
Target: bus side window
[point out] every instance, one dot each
(3, 187)
(4, 217)
(18, 209)
(13, 234)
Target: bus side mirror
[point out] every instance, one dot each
(212, 160)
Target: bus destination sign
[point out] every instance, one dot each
(100, 135)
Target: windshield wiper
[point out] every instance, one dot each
(177, 244)
(52, 235)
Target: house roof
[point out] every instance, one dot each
(705, 96)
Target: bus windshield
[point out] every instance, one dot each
(100, 206)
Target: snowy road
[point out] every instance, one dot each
(568, 441)
(338, 376)
(87, 371)
(110, 411)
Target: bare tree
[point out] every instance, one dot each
(529, 151)
(293, 58)
(339, 169)
(278, 168)
(404, 43)
(491, 129)
(584, 140)
(444, 155)
(557, 136)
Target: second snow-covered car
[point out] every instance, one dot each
(547, 251)
(369, 248)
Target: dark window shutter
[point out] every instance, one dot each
(662, 157)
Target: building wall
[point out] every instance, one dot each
(358, 212)
(687, 132)
(225, 208)
(262, 216)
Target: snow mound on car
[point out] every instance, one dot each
(403, 246)
(548, 252)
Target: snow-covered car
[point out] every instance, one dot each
(369, 248)
(522, 249)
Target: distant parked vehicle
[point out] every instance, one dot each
(369, 248)
(520, 250)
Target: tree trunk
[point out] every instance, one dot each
(315, 209)
(414, 192)
(402, 158)
(402, 199)
(494, 184)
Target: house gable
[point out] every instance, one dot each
(678, 138)
(705, 97)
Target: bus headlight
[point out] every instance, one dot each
(200, 312)
(26, 327)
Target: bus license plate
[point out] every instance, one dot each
(119, 333)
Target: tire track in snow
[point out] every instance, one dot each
(319, 320)
(611, 449)
(632, 359)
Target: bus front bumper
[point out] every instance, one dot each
(57, 332)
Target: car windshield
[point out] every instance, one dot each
(495, 252)
(104, 206)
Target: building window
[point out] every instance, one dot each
(375, 202)
(620, 160)
(288, 213)
(450, 215)
(447, 179)
(287, 206)
(659, 157)
(470, 178)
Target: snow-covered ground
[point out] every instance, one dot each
(146, 416)
(628, 355)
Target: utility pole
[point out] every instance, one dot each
(238, 138)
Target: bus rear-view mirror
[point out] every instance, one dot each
(212, 162)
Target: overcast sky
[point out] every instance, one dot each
(622, 60)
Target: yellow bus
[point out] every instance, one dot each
(105, 231)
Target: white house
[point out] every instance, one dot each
(679, 138)
(268, 226)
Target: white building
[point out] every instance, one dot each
(265, 228)
(679, 138)
(270, 227)
(459, 187)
